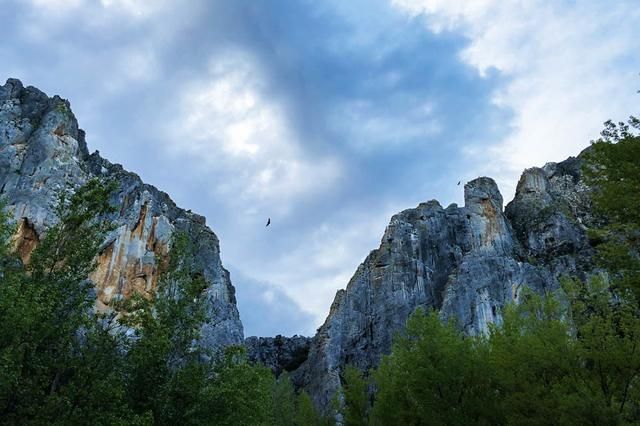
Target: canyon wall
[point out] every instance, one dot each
(43, 152)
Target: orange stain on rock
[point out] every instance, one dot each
(25, 240)
(131, 263)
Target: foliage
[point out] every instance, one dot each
(434, 376)
(191, 385)
(607, 326)
(533, 368)
(163, 353)
(58, 358)
(306, 414)
(63, 363)
(612, 169)
(533, 360)
(356, 398)
(237, 393)
(284, 401)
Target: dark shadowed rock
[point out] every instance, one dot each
(278, 353)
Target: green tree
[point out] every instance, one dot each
(356, 398)
(59, 361)
(62, 363)
(164, 355)
(306, 413)
(612, 169)
(434, 375)
(284, 401)
(605, 308)
(534, 361)
(190, 385)
(239, 393)
(607, 326)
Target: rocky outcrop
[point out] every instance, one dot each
(466, 262)
(43, 151)
(278, 353)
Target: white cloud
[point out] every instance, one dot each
(137, 8)
(107, 46)
(131, 8)
(568, 67)
(49, 22)
(57, 4)
(383, 128)
(227, 121)
(324, 260)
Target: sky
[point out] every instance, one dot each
(326, 116)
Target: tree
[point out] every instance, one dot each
(59, 363)
(306, 413)
(62, 363)
(238, 392)
(164, 355)
(607, 327)
(606, 306)
(534, 360)
(612, 169)
(190, 385)
(574, 359)
(356, 398)
(284, 401)
(434, 375)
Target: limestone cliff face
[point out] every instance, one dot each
(42, 151)
(467, 262)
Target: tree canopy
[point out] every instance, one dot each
(61, 362)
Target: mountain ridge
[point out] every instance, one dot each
(43, 151)
(466, 262)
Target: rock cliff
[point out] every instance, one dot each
(278, 353)
(43, 151)
(467, 262)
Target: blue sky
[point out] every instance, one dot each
(326, 116)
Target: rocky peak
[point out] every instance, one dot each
(43, 151)
(482, 196)
(11, 89)
(466, 262)
(533, 181)
(550, 213)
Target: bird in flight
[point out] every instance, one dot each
(459, 183)
(268, 222)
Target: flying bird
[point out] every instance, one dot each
(268, 222)
(459, 183)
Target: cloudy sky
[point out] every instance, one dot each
(327, 116)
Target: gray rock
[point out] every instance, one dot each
(42, 152)
(466, 262)
(278, 353)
